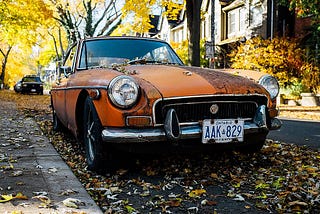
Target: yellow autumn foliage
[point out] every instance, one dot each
(181, 48)
(136, 15)
(281, 57)
(20, 22)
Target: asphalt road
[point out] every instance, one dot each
(300, 132)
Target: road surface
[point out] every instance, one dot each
(300, 132)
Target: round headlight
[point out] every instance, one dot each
(123, 91)
(271, 84)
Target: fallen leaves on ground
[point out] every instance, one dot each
(6, 198)
(281, 178)
(73, 203)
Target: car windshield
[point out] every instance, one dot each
(106, 52)
(31, 79)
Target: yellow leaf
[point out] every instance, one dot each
(129, 209)
(6, 198)
(43, 198)
(262, 196)
(21, 196)
(236, 185)
(17, 212)
(197, 193)
(262, 185)
(299, 203)
(214, 176)
(311, 169)
(187, 171)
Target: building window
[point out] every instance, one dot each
(231, 23)
(256, 16)
(236, 22)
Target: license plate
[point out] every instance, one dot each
(33, 90)
(222, 131)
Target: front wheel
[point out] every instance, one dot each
(97, 158)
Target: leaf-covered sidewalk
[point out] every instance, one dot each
(33, 177)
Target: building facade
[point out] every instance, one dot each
(228, 23)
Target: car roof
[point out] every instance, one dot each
(124, 37)
(31, 75)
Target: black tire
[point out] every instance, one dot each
(56, 123)
(98, 159)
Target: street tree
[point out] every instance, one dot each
(311, 9)
(304, 8)
(85, 18)
(139, 12)
(19, 21)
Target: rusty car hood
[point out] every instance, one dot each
(176, 81)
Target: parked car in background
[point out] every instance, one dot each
(132, 93)
(29, 84)
(17, 87)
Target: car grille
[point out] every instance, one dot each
(32, 86)
(196, 109)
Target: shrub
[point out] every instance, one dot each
(311, 77)
(281, 57)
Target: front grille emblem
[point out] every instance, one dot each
(214, 109)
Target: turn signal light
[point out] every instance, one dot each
(94, 94)
(139, 121)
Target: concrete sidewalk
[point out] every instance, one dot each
(31, 166)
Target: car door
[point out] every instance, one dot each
(59, 92)
(71, 91)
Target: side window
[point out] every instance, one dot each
(69, 61)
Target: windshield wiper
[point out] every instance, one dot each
(145, 61)
(137, 61)
(98, 66)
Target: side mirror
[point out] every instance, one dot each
(66, 70)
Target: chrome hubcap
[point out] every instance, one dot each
(90, 137)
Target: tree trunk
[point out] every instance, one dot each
(4, 64)
(193, 21)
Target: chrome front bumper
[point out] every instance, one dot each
(158, 134)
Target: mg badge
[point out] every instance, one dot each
(214, 109)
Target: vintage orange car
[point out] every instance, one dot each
(129, 91)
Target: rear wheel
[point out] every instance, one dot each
(97, 158)
(57, 125)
